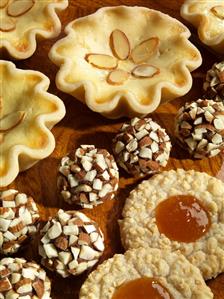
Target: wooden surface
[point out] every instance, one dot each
(82, 126)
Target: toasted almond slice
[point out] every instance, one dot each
(19, 8)
(145, 50)
(120, 44)
(7, 25)
(117, 77)
(102, 61)
(145, 71)
(11, 120)
(218, 11)
(3, 3)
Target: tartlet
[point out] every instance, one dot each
(208, 17)
(27, 113)
(125, 61)
(22, 21)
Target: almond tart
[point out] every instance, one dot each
(22, 21)
(27, 113)
(125, 61)
(208, 17)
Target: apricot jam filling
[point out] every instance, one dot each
(182, 218)
(142, 288)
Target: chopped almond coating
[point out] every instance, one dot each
(70, 243)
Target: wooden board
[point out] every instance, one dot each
(82, 126)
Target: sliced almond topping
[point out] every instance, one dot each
(18, 8)
(120, 45)
(145, 71)
(145, 50)
(11, 120)
(102, 61)
(117, 77)
(3, 3)
(218, 11)
(7, 25)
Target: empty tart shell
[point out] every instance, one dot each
(125, 61)
(22, 21)
(27, 113)
(208, 17)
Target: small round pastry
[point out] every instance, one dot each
(214, 84)
(19, 219)
(141, 147)
(70, 243)
(22, 279)
(199, 128)
(179, 211)
(146, 273)
(88, 176)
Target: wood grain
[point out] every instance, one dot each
(81, 125)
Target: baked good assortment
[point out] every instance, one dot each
(19, 219)
(172, 226)
(141, 147)
(88, 176)
(119, 67)
(146, 273)
(22, 279)
(208, 17)
(199, 128)
(180, 211)
(22, 21)
(27, 114)
(70, 243)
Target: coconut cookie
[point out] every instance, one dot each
(27, 113)
(178, 210)
(113, 63)
(146, 273)
(208, 17)
(22, 21)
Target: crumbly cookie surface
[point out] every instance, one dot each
(182, 279)
(139, 229)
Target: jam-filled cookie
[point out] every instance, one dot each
(178, 210)
(146, 273)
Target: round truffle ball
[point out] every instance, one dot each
(214, 84)
(199, 128)
(19, 219)
(141, 147)
(88, 176)
(22, 279)
(70, 243)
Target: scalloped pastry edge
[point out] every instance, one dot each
(5, 45)
(200, 21)
(84, 90)
(22, 157)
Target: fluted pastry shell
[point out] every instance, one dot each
(175, 57)
(21, 25)
(203, 14)
(27, 113)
